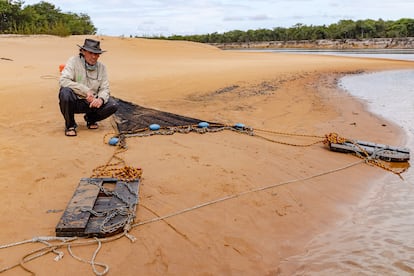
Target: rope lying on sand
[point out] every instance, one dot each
(371, 159)
(69, 243)
(60, 243)
(116, 167)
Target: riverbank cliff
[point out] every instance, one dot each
(337, 44)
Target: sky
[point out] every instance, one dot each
(187, 17)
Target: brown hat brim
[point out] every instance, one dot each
(95, 51)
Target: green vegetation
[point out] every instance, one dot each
(45, 18)
(42, 18)
(344, 29)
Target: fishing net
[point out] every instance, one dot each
(132, 118)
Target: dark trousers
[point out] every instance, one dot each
(70, 105)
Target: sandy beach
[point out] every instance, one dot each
(247, 235)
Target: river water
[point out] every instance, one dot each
(398, 54)
(378, 239)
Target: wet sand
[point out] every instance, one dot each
(377, 239)
(251, 234)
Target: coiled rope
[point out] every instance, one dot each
(372, 159)
(116, 167)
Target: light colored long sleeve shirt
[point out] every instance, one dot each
(81, 80)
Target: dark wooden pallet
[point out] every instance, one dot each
(380, 151)
(77, 221)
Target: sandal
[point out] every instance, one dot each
(91, 125)
(70, 132)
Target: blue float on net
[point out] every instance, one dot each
(203, 124)
(154, 127)
(113, 141)
(239, 125)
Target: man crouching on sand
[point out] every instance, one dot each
(84, 88)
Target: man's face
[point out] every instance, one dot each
(90, 57)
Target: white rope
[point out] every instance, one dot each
(94, 264)
(92, 261)
(244, 193)
(59, 254)
(37, 239)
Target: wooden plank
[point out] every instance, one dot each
(127, 191)
(382, 146)
(103, 203)
(383, 152)
(93, 228)
(75, 219)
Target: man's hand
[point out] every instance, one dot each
(90, 97)
(93, 102)
(96, 103)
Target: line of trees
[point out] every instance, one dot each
(42, 18)
(344, 29)
(45, 18)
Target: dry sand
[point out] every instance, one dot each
(249, 235)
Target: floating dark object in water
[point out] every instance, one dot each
(372, 150)
(100, 207)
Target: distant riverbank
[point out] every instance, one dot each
(337, 44)
(389, 53)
